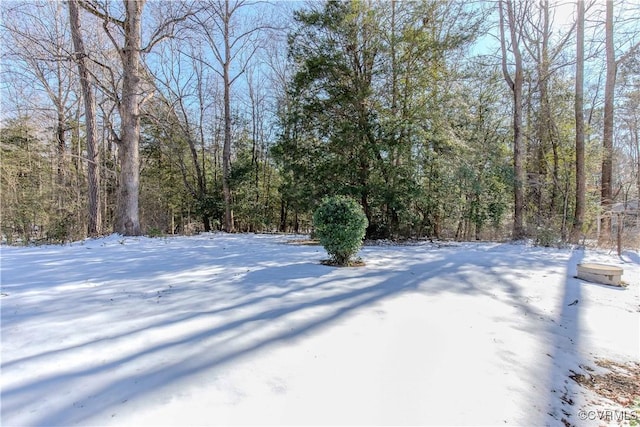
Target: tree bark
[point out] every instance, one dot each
(544, 124)
(61, 146)
(607, 137)
(515, 85)
(127, 220)
(637, 153)
(201, 170)
(94, 226)
(226, 148)
(578, 218)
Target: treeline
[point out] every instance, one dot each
(443, 119)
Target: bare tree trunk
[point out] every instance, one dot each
(94, 226)
(607, 137)
(578, 219)
(127, 220)
(226, 148)
(256, 134)
(127, 216)
(229, 42)
(394, 77)
(61, 145)
(61, 125)
(201, 170)
(515, 85)
(637, 146)
(283, 216)
(544, 123)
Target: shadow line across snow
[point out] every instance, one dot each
(230, 311)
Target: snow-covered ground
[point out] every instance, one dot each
(246, 329)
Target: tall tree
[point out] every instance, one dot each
(36, 38)
(578, 218)
(128, 43)
(185, 94)
(606, 196)
(629, 123)
(127, 220)
(337, 47)
(612, 64)
(127, 216)
(515, 83)
(232, 34)
(348, 133)
(545, 49)
(93, 153)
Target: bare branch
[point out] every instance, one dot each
(503, 47)
(165, 31)
(92, 9)
(632, 50)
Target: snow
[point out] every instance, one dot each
(246, 329)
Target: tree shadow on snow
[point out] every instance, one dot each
(279, 303)
(564, 351)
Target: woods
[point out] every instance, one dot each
(504, 119)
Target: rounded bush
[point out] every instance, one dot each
(340, 225)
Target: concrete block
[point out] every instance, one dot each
(600, 273)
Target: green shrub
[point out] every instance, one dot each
(547, 236)
(154, 232)
(340, 225)
(61, 229)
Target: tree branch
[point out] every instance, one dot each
(628, 54)
(503, 48)
(165, 31)
(92, 9)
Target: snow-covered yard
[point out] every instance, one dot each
(246, 329)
